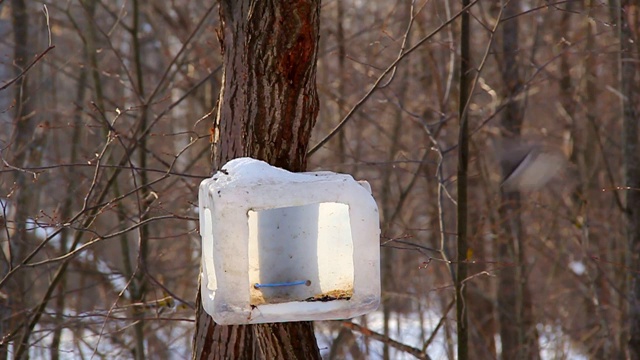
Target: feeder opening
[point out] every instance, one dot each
(299, 253)
(207, 245)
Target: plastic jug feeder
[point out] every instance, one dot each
(280, 246)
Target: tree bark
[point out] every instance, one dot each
(517, 328)
(629, 90)
(28, 150)
(466, 80)
(268, 105)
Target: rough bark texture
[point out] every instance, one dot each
(517, 328)
(629, 90)
(268, 102)
(268, 106)
(28, 145)
(466, 79)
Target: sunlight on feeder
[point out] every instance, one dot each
(280, 246)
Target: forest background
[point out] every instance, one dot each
(106, 111)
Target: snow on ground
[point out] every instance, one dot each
(407, 330)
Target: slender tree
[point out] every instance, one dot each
(466, 79)
(27, 151)
(629, 89)
(517, 333)
(268, 105)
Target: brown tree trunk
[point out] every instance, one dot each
(517, 328)
(466, 79)
(28, 150)
(479, 304)
(629, 90)
(268, 106)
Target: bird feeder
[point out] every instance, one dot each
(280, 246)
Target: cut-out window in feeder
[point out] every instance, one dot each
(280, 246)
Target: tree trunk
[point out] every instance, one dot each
(28, 151)
(466, 80)
(629, 90)
(517, 328)
(268, 105)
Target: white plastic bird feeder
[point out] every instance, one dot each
(280, 246)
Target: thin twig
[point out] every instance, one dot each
(419, 354)
(24, 72)
(405, 39)
(382, 76)
(46, 16)
(182, 49)
(438, 326)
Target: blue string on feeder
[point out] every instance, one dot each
(292, 283)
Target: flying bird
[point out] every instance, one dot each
(528, 165)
